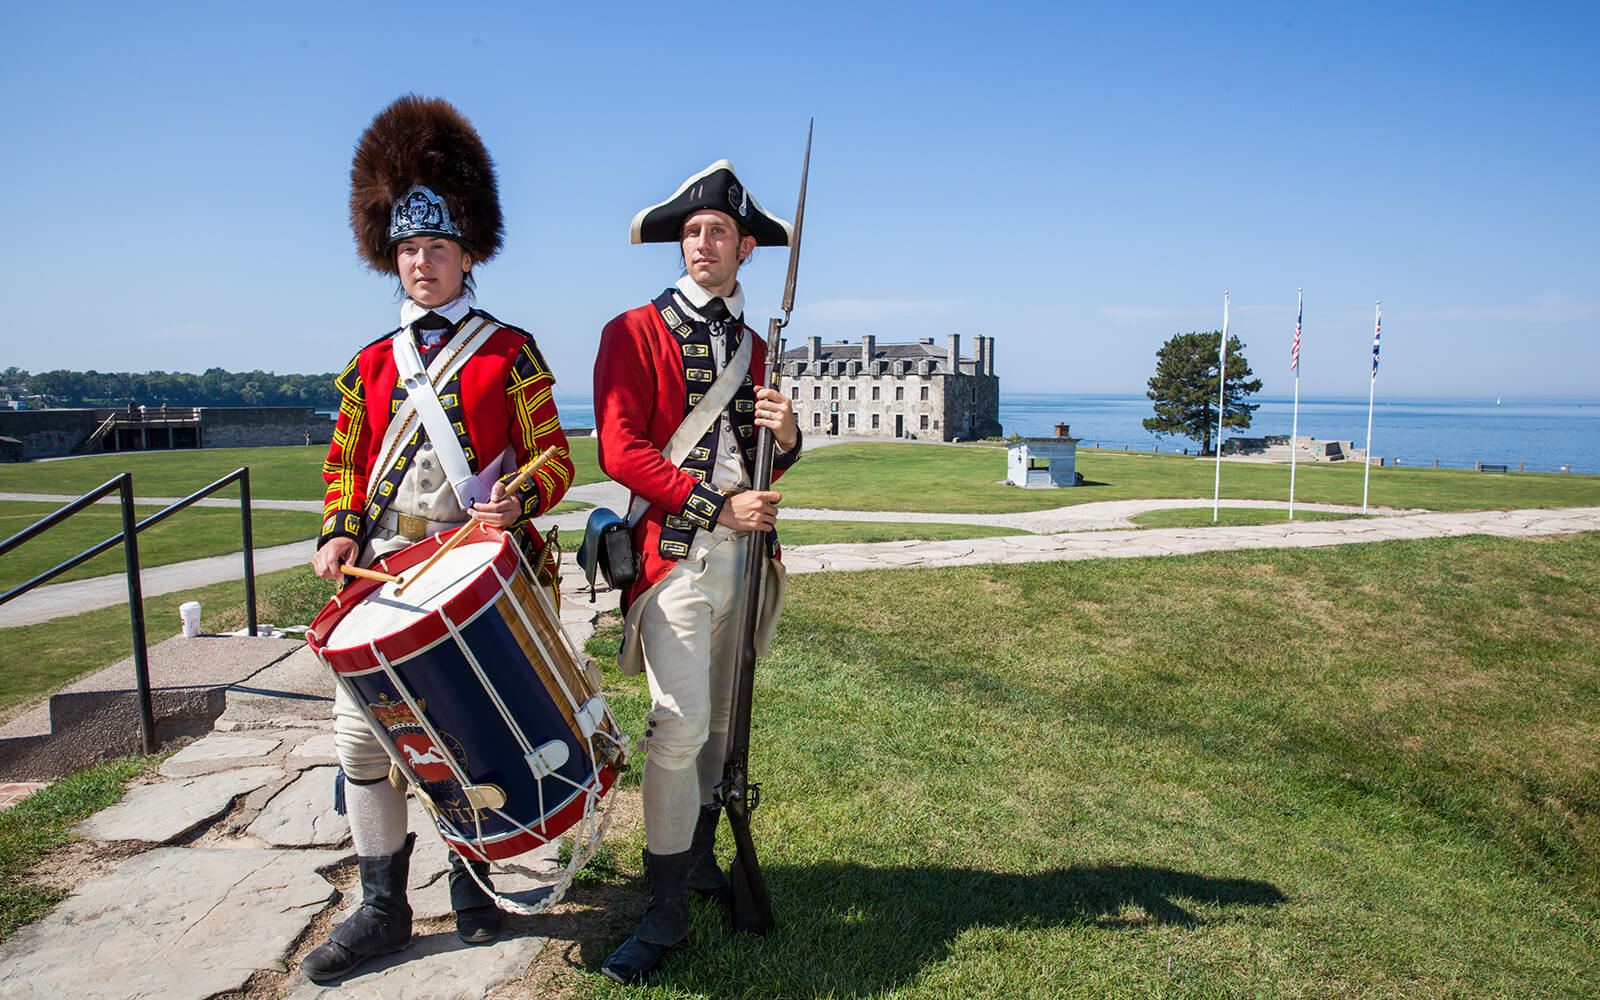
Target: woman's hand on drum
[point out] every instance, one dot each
(752, 510)
(499, 511)
(335, 552)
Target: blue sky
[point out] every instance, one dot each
(1078, 183)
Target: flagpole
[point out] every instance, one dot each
(1294, 366)
(1222, 380)
(1377, 331)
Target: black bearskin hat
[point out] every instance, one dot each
(421, 170)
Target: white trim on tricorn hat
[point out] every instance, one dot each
(718, 187)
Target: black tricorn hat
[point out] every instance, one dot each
(718, 187)
(421, 170)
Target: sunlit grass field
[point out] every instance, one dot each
(291, 472)
(929, 478)
(1366, 771)
(1361, 772)
(194, 533)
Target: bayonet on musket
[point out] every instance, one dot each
(751, 908)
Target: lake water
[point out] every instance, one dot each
(1543, 435)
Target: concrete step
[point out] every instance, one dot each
(97, 717)
(295, 690)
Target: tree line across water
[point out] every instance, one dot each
(1183, 389)
(213, 387)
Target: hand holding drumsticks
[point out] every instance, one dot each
(499, 496)
(503, 508)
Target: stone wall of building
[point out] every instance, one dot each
(55, 433)
(257, 426)
(50, 433)
(894, 390)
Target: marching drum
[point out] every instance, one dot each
(481, 698)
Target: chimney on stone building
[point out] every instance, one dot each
(813, 345)
(953, 354)
(869, 344)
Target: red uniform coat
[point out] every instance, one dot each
(502, 397)
(640, 398)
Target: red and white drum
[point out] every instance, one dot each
(477, 691)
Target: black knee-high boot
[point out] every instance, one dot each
(477, 917)
(380, 927)
(706, 877)
(665, 922)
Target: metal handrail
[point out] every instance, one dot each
(123, 484)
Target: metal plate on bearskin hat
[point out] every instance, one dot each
(718, 187)
(421, 170)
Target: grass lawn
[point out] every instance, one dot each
(43, 821)
(928, 478)
(292, 472)
(1362, 772)
(189, 534)
(1200, 517)
(1358, 772)
(44, 657)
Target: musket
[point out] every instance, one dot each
(751, 908)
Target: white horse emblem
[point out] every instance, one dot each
(433, 756)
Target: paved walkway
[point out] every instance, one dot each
(224, 854)
(60, 600)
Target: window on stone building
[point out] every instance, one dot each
(874, 421)
(833, 392)
(924, 421)
(850, 393)
(816, 419)
(850, 420)
(816, 392)
(874, 394)
(899, 393)
(924, 394)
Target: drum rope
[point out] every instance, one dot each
(584, 849)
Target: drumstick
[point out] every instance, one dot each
(455, 539)
(370, 574)
(461, 534)
(533, 466)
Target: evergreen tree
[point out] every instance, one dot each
(1184, 387)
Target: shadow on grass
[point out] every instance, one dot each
(851, 930)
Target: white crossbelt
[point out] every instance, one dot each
(422, 400)
(703, 415)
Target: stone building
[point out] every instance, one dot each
(894, 390)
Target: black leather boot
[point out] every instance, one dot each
(665, 922)
(477, 916)
(706, 878)
(381, 926)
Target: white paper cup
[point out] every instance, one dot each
(189, 612)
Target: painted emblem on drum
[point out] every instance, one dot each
(422, 755)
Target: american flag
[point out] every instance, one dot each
(1377, 332)
(1294, 352)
